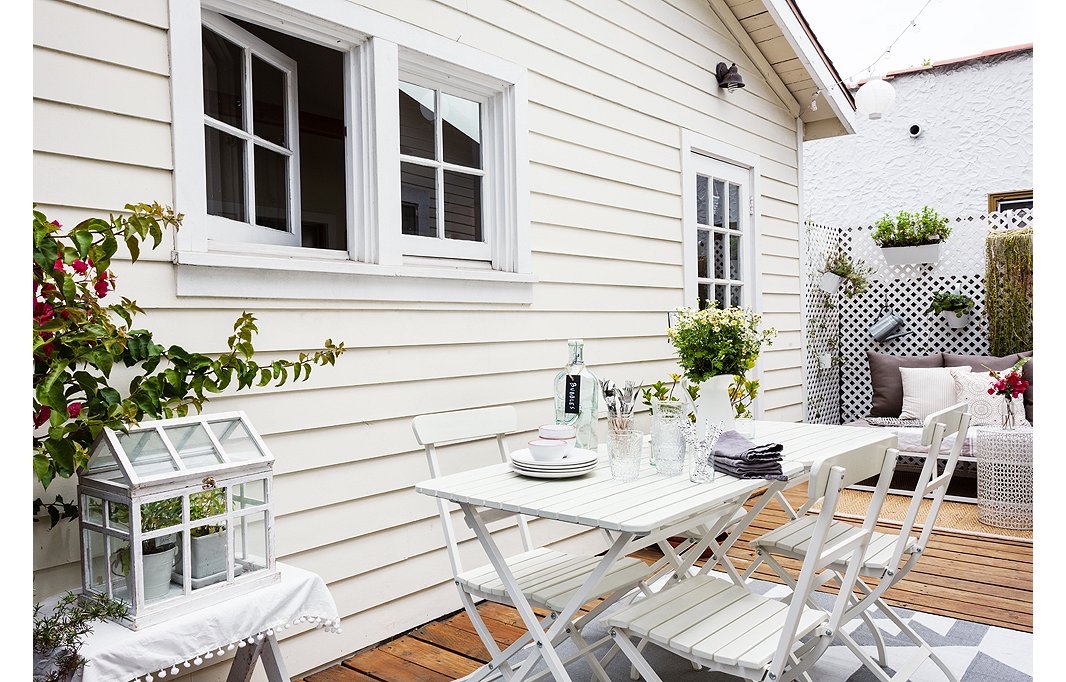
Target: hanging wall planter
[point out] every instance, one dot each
(844, 275)
(911, 237)
(956, 321)
(830, 282)
(904, 255)
(953, 307)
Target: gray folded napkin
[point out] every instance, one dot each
(737, 456)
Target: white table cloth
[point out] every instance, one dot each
(117, 654)
(638, 514)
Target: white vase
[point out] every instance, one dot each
(902, 255)
(713, 404)
(830, 282)
(955, 322)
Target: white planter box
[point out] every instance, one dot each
(903, 255)
(955, 322)
(825, 360)
(830, 282)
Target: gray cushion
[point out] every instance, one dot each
(887, 383)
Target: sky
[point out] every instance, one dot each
(855, 32)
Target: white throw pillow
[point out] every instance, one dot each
(986, 410)
(927, 390)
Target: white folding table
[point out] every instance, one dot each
(635, 515)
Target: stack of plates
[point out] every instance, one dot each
(577, 463)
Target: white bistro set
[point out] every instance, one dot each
(715, 622)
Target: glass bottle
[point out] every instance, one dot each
(577, 396)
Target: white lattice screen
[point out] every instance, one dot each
(822, 320)
(907, 291)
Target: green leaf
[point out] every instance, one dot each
(43, 468)
(83, 240)
(134, 245)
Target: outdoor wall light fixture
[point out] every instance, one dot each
(728, 77)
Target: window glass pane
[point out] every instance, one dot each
(271, 189)
(193, 445)
(734, 256)
(702, 212)
(736, 295)
(208, 554)
(225, 174)
(719, 203)
(93, 510)
(235, 440)
(720, 295)
(417, 112)
(103, 457)
(418, 199)
(94, 547)
(118, 515)
(158, 555)
(702, 237)
(249, 494)
(204, 504)
(268, 101)
(146, 452)
(249, 542)
(461, 130)
(161, 514)
(734, 206)
(719, 255)
(703, 294)
(223, 79)
(119, 565)
(462, 206)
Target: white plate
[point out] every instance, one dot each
(577, 457)
(574, 473)
(584, 467)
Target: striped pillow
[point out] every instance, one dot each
(927, 390)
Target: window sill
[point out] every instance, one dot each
(229, 275)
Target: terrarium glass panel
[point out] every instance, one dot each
(94, 546)
(208, 555)
(94, 510)
(193, 445)
(118, 515)
(103, 463)
(160, 514)
(250, 541)
(119, 565)
(249, 494)
(235, 440)
(157, 559)
(207, 503)
(146, 452)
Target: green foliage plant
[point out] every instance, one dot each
(58, 636)
(78, 339)
(1009, 290)
(856, 273)
(950, 301)
(911, 229)
(662, 391)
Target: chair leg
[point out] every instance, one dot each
(916, 638)
(635, 657)
(879, 640)
(597, 670)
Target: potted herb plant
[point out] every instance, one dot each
(158, 554)
(59, 632)
(841, 271)
(208, 542)
(958, 305)
(911, 237)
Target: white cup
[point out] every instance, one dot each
(563, 432)
(546, 449)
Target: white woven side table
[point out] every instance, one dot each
(1005, 477)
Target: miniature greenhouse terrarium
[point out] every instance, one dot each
(177, 514)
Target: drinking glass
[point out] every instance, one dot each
(745, 426)
(663, 412)
(669, 447)
(701, 461)
(623, 451)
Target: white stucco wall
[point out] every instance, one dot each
(976, 139)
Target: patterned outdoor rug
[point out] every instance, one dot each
(974, 652)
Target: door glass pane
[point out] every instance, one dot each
(225, 174)
(93, 510)
(119, 565)
(418, 200)
(268, 101)
(249, 542)
(193, 445)
(734, 256)
(719, 255)
(704, 295)
(146, 452)
(417, 112)
(271, 189)
(719, 203)
(161, 514)
(223, 79)
(720, 295)
(94, 547)
(702, 237)
(235, 440)
(460, 130)
(462, 206)
(702, 213)
(736, 295)
(734, 206)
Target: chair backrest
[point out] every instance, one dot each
(441, 428)
(858, 465)
(849, 547)
(954, 420)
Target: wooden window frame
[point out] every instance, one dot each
(996, 197)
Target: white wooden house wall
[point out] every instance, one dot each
(611, 85)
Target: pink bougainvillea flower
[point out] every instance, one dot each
(74, 409)
(101, 288)
(42, 312)
(80, 266)
(58, 265)
(42, 416)
(56, 223)
(991, 391)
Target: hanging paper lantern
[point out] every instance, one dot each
(875, 98)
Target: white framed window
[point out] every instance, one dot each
(380, 159)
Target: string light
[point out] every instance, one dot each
(888, 50)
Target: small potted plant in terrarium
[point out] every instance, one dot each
(843, 273)
(911, 237)
(954, 308)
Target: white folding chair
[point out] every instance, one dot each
(887, 550)
(545, 576)
(719, 625)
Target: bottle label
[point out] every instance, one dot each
(572, 397)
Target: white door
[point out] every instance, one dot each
(721, 225)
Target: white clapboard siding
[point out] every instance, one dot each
(611, 84)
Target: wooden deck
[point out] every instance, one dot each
(987, 580)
